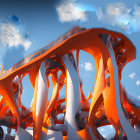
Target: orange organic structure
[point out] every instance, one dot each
(80, 119)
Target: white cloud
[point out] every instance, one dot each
(87, 66)
(138, 82)
(68, 12)
(11, 37)
(118, 14)
(132, 75)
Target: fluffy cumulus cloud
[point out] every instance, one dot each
(71, 10)
(10, 36)
(132, 75)
(12, 33)
(115, 14)
(87, 66)
(138, 82)
(68, 12)
(118, 14)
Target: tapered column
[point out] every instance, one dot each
(96, 101)
(128, 129)
(73, 97)
(41, 102)
(22, 134)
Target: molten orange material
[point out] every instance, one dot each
(111, 52)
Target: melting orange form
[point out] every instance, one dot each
(72, 117)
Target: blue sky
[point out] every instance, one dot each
(28, 25)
